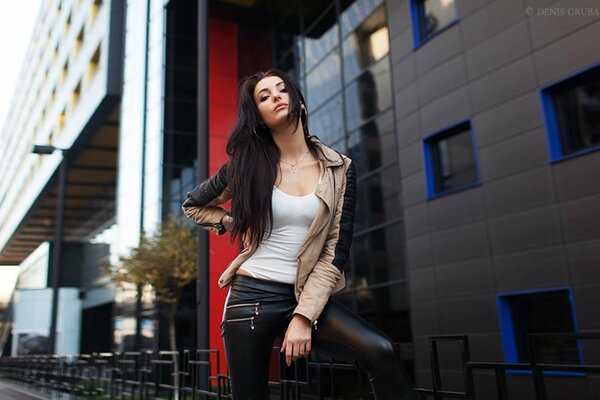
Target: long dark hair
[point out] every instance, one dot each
(254, 158)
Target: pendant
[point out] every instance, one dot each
(293, 169)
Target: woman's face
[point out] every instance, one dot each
(272, 100)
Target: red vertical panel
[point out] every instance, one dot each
(222, 75)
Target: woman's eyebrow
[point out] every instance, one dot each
(262, 90)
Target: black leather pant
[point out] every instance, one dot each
(257, 311)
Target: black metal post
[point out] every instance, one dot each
(538, 372)
(202, 309)
(57, 248)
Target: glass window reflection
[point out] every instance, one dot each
(450, 159)
(356, 13)
(387, 308)
(378, 198)
(373, 144)
(378, 256)
(429, 16)
(321, 39)
(323, 81)
(289, 64)
(369, 94)
(369, 43)
(327, 123)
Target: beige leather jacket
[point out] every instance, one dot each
(325, 250)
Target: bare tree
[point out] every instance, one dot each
(166, 260)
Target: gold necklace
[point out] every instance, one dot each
(296, 163)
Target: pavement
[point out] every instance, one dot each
(14, 391)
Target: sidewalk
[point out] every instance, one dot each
(13, 391)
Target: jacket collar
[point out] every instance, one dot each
(328, 156)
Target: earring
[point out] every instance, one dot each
(305, 118)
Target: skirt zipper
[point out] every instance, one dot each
(256, 305)
(251, 319)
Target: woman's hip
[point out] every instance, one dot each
(256, 302)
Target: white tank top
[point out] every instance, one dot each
(276, 257)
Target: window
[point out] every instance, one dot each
(93, 64)
(430, 17)
(572, 114)
(75, 97)
(366, 45)
(546, 311)
(96, 5)
(450, 163)
(79, 42)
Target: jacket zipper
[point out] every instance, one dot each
(255, 305)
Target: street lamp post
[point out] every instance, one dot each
(58, 235)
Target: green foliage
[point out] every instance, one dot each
(166, 260)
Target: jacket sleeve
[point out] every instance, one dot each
(202, 203)
(328, 270)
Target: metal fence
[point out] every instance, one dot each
(537, 370)
(191, 375)
(188, 375)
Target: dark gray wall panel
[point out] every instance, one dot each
(462, 208)
(513, 117)
(463, 243)
(578, 177)
(465, 278)
(531, 269)
(531, 189)
(507, 46)
(416, 220)
(510, 157)
(581, 219)
(525, 230)
(584, 261)
(502, 85)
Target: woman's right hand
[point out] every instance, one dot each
(227, 222)
(297, 340)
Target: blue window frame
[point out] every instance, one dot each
(450, 160)
(430, 17)
(548, 310)
(572, 114)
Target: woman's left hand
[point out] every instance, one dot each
(297, 340)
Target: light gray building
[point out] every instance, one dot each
(68, 99)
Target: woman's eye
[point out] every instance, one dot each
(284, 90)
(263, 98)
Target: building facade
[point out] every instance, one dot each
(68, 100)
(474, 127)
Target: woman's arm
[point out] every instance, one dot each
(202, 203)
(336, 251)
(324, 277)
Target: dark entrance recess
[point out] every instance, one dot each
(96, 331)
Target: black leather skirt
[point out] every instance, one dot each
(257, 311)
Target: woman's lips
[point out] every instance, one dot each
(279, 107)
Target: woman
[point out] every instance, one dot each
(293, 209)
